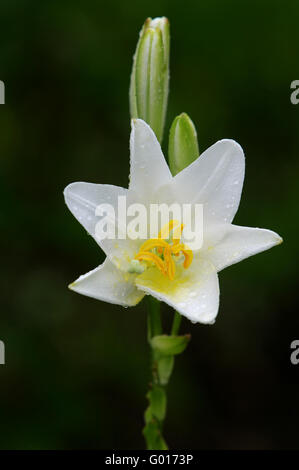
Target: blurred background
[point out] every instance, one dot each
(77, 369)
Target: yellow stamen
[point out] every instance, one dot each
(177, 234)
(146, 256)
(169, 263)
(166, 229)
(153, 243)
(164, 260)
(177, 248)
(188, 257)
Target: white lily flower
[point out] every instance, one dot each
(215, 180)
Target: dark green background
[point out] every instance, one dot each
(77, 369)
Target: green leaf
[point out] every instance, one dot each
(157, 399)
(150, 432)
(183, 146)
(153, 437)
(160, 443)
(165, 366)
(165, 345)
(148, 415)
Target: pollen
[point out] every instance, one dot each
(161, 253)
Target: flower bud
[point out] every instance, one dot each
(150, 75)
(183, 145)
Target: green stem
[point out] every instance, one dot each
(156, 410)
(177, 319)
(154, 317)
(161, 367)
(155, 413)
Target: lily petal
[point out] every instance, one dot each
(215, 179)
(109, 284)
(194, 292)
(233, 243)
(83, 198)
(149, 169)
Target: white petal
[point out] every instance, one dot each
(149, 169)
(232, 243)
(194, 292)
(82, 200)
(109, 284)
(215, 179)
